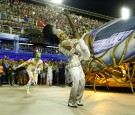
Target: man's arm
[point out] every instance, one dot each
(67, 47)
(67, 53)
(76, 35)
(68, 44)
(23, 64)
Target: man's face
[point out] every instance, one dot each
(63, 36)
(38, 56)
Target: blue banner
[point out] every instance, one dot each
(112, 27)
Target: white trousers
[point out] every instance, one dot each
(49, 78)
(78, 86)
(68, 76)
(33, 77)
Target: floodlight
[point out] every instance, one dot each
(125, 13)
(57, 1)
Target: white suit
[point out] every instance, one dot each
(81, 52)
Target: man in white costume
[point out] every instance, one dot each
(74, 57)
(76, 50)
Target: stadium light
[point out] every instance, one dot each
(125, 13)
(52, 46)
(25, 44)
(57, 1)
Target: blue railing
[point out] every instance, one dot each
(17, 54)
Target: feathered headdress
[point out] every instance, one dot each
(37, 54)
(51, 34)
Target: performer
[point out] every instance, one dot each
(75, 50)
(34, 66)
(49, 78)
(68, 76)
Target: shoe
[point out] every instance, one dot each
(72, 105)
(28, 91)
(79, 104)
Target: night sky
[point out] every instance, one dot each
(105, 7)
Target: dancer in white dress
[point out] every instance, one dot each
(34, 66)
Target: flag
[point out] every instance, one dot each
(41, 23)
(111, 34)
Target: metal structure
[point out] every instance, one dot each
(73, 9)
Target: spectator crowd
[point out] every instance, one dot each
(16, 17)
(20, 77)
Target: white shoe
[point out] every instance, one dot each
(28, 91)
(79, 104)
(72, 105)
